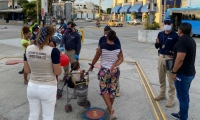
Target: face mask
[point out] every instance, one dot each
(35, 33)
(69, 30)
(167, 27)
(105, 35)
(30, 23)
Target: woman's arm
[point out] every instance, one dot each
(120, 59)
(96, 57)
(25, 45)
(55, 56)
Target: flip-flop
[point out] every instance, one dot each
(112, 116)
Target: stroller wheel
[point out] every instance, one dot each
(88, 104)
(68, 108)
(59, 94)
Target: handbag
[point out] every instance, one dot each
(169, 64)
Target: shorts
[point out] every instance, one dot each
(108, 83)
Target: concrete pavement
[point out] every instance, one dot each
(131, 105)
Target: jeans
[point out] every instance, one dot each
(182, 85)
(41, 96)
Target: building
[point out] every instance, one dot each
(7, 12)
(86, 7)
(128, 9)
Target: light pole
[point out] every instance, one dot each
(100, 8)
(37, 11)
(164, 8)
(151, 12)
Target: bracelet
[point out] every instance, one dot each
(173, 72)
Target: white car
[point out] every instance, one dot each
(88, 20)
(135, 22)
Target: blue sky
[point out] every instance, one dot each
(105, 4)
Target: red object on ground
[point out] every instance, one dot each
(64, 60)
(13, 62)
(95, 114)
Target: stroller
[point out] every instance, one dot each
(80, 89)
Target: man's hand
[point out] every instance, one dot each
(76, 57)
(157, 40)
(62, 48)
(173, 77)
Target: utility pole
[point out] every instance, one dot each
(151, 12)
(37, 11)
(165, 1)
(13, 4)
(100, 8)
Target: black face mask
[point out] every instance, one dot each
(62, 22)
(69, 30)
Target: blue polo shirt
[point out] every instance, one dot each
(166, 40)
(104, 40)
(64, 25)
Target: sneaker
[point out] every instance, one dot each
(176, 116)
(170, 103)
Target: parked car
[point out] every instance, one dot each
(115, 23)
(88, 20)
(135, 21)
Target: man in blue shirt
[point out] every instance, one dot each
(63, 27)
(72, 42)
(103, 39)
(165, 43)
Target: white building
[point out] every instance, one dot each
(86, 8)
(193, 3)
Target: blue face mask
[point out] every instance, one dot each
(69, 30)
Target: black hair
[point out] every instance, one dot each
(62, 20)
(186, 28)
(75, 65)
(111, 35)
(71, 23)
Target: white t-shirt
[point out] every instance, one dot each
(77, 75)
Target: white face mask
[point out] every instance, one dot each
(30, 23)
(167, 27)
(35, 33)
(105, 35)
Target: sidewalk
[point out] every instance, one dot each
(131, 105)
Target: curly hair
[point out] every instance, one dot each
(25, 30)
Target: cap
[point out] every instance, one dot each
(107, 28)
(35, 28)
(168, 20)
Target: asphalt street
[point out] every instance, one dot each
(133, 103)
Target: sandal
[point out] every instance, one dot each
(112, 115)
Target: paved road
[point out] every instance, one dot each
(133, 103)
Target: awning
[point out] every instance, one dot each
(125, 9)
(145, 8)
(171, 2)
(136, 8)
(116, 9)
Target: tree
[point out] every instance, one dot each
(30, 9)
(108, 10)
(21, 2)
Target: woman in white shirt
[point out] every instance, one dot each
(43, 62)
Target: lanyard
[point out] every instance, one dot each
(165, 41)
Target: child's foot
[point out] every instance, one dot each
(112, 115)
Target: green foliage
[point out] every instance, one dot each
(134, 14)
(108, 10)
(153, 26)
(30, 9)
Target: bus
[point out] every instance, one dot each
(190, 15)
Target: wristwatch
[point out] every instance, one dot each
(173, 72)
